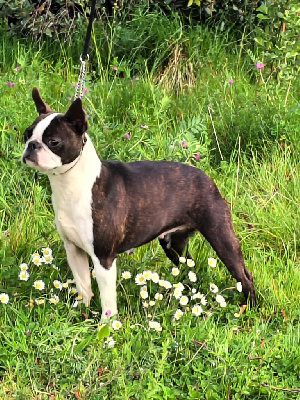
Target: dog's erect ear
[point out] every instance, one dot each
(76, 116)
(41, 106)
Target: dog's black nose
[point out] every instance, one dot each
(34, 145)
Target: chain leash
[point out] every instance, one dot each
(81, 79)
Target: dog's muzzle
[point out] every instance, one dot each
(30, 152)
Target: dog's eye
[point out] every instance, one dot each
(53, 142)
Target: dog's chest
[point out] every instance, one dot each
(74, 220)
(72, 201)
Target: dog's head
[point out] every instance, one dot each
(54, 139)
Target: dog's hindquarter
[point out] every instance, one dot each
(133, 203)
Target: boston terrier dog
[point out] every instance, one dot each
(104, 208)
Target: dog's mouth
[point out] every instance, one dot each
(30, 159)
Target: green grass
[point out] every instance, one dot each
(56, 351)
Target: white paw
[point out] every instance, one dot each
(86, 296)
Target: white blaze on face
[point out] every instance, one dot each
(46, 159)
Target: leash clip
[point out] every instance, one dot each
(87, 56)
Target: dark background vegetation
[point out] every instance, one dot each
(167, 39)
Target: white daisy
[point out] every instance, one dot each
(219, 298)
(116, 324)
(145, 304)
(178, 314)
(72, 290)
(24, 275)
(212, 262)
(175, 271)
(192, 276)
(126, 275)
(179, 285)
(37, 259)
(184, 300)
(190, 263)
(197, 310)
(140, 279)
(144, 294)
(213, 288)
(57, 284)
(182, 260)
(158, 296)
(155, 277)
(39, 301)
(54, 299)
(177, 293)
(155, 325)
(4, 298)
(151, 303)
(23, 267)
(39, 284)
(147, 274)
(203, 301)
(110, 342)
(46, 251)
(167, 285)
(47, 259)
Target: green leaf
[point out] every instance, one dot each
(104, 332)
(82, 345)
(262, 16)
(263, 8)
(259, 40)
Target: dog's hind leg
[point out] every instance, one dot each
(174, 244)
(216, 226)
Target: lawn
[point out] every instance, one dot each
(215, 108)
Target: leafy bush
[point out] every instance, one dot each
(276, 36)
(39, 18)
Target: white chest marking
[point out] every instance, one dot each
(72, 199)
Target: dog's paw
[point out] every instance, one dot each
(86, 296)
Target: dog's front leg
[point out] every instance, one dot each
(107, 282)
(79, 264)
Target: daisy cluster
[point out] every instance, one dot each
(158, 296)
(41, 291)
(182, 295)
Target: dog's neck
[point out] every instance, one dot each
(72, 177)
